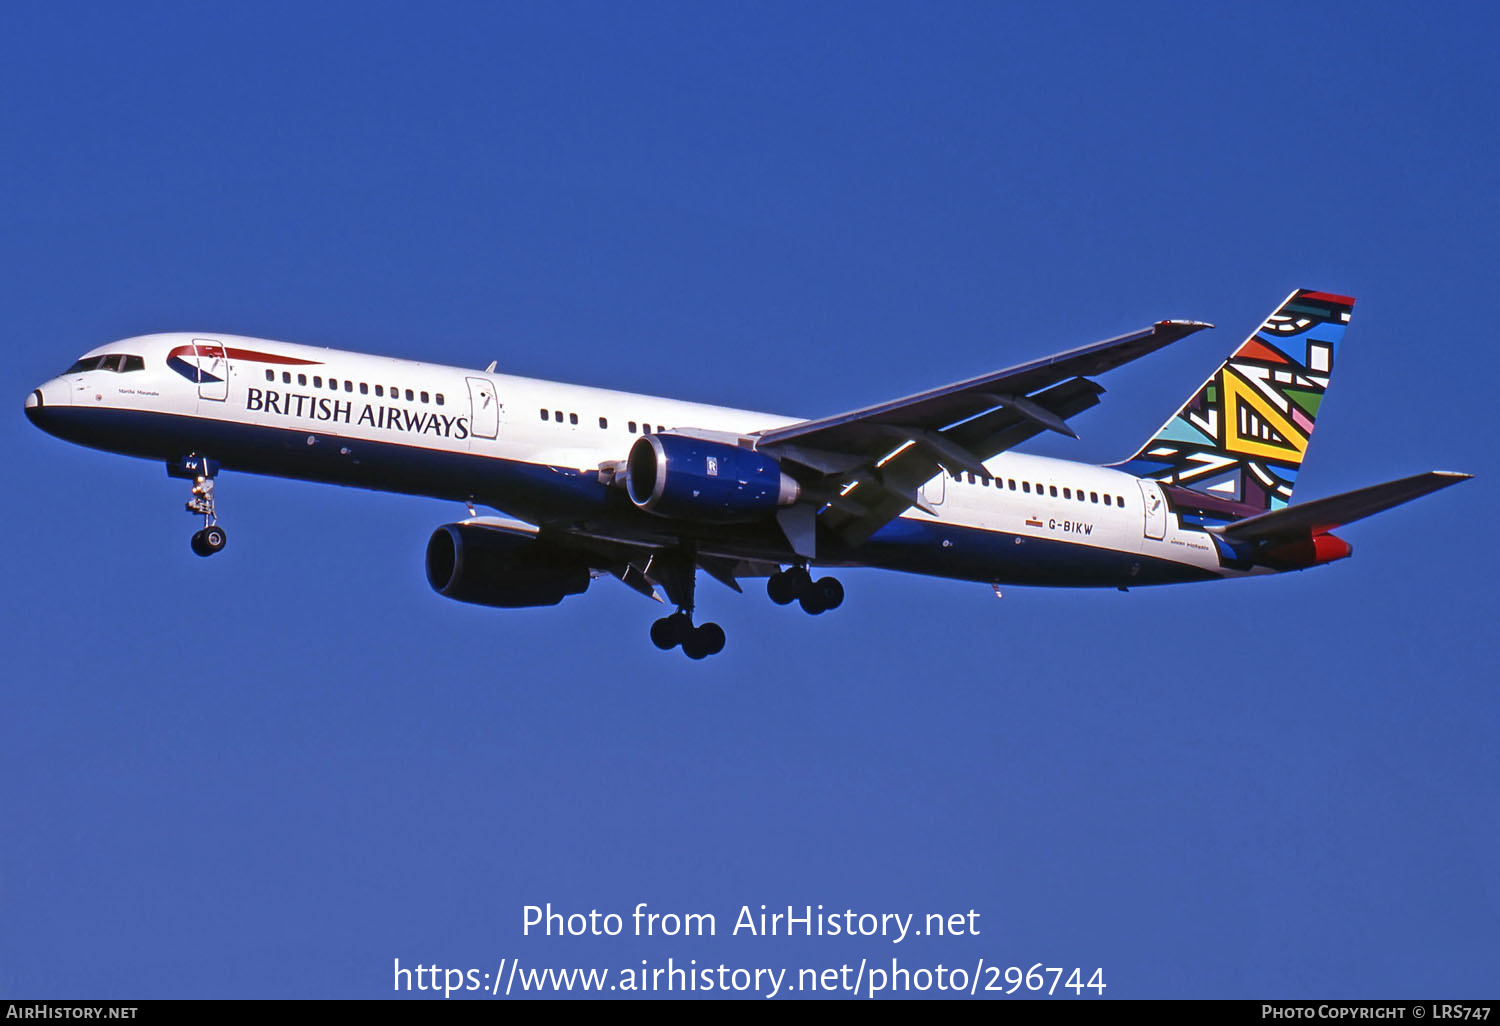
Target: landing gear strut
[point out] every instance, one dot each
(795, 584)
(211, 538)
(698, 642)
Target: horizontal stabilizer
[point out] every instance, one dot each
(1325, 514)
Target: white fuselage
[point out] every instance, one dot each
(403, 425)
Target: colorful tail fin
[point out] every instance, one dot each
(1243, 435)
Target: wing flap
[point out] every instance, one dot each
(889, 490)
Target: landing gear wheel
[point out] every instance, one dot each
(830, 591)
(780, 589)
(822, 595)
(664, 634)
(671, 631)
(209, 540)
(694, 646)
(703, 641)
(785, 587)
(713, 637)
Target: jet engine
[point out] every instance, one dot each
(495, 568)
(694, 478)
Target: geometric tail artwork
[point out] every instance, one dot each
(1244, 433)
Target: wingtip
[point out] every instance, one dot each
(1194, 325)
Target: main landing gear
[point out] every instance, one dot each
(679, 579)
(795, 584)
(211, 538)
(697, 642)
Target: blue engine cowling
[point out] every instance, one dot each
(692, 478)
(493, 568)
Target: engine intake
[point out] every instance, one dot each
(693, 478)
(493, 568)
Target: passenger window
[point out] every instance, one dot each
(1081, 496)
(286, 377)
(270, 375)
(603, 423)
(302, 380)
(333, 384)
(410, 395)
(1026, 487)
(380, 391)
(348, 385)
(317, 381)
(557, 416)
(970, 476)
(425, 397)
(439, 398)
(1106, 499)
(1120, 501)
(1011, 483)
(1067, 493)
(544, 414)
(572, 418)
(1093, 496)
(958, 475)
(1052, 491)
(364, 388)
(632, 427)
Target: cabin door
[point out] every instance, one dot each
(1156, 509)
(213, 369)
(484, 409)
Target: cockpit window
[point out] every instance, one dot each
(120, 363)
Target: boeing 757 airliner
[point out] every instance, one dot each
(593, 482)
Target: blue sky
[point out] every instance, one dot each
(271, 773)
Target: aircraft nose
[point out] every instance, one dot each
(42, 398)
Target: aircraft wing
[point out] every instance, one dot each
(1321, 515)
(861, 469)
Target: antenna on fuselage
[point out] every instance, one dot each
(491, 368)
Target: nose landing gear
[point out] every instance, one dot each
(795, 584)
(211, 538)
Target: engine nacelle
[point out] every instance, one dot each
(694, 478)
(493, 568)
